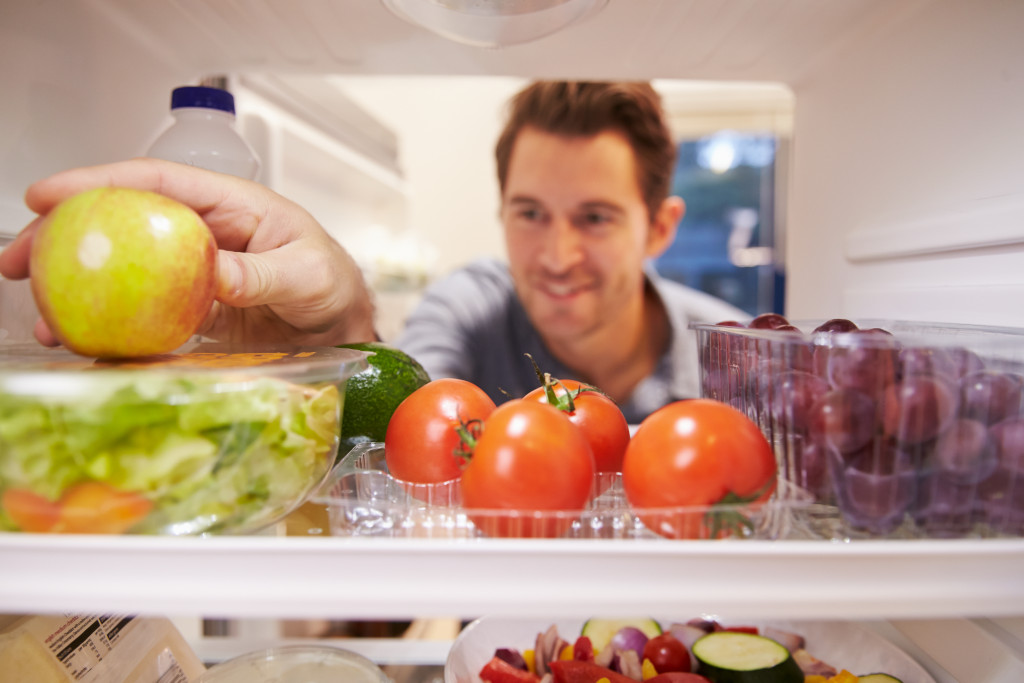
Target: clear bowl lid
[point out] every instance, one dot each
(31, 369)
(296, 664)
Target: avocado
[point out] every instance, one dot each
(372, 395)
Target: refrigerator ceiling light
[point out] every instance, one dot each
(494, 23)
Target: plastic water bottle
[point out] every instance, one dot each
(203, 133)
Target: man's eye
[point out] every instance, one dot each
(532, 215)
(594, 220)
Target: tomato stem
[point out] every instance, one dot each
(469, 433)
(721, 520)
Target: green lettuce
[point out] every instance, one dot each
(213, 455)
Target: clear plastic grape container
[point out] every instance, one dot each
(363, 499)
(211, 439)
(892, 429)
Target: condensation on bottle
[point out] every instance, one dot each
(204, 134)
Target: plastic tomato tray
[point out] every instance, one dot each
(363, 499)
(918, 433)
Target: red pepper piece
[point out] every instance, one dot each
(575, 671)
(499, 671)
(583, 649)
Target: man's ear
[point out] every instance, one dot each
(664, 226)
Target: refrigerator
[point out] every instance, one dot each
(904, 200)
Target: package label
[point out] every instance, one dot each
(82, 641)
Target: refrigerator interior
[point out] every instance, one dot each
(905, 201)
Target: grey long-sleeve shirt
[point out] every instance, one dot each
(471, 325)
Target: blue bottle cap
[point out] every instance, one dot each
(201, 96)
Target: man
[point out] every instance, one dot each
(584, 171)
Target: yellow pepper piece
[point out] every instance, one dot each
(647, 670)
(815, 678)
(844, 676)
(531, 658)
(566, 653)
(603, 680)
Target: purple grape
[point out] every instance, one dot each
(928, 361)
(768, 321)
(1008, 439)
(876, 502)
(1001, 494)
(794, 394)
(944, 507)
(965, 361)
(964, 453)
(836, 325)
(867, 366)
(919, 408)
(990, 396)
(844, 418)
(721, 383)
(813, 469)
(1001, 500)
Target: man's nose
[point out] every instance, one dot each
(563, 246)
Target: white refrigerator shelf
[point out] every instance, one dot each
(331, 577)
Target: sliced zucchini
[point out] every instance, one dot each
(878, 678)
(735, 657)
(600, 631)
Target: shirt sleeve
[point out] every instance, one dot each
(448, 331)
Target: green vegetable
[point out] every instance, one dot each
(735, 657)
(213, 455)
(878, 678)
(600, 631)
(372, 395)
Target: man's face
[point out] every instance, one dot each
(576, 230)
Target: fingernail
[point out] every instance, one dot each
(229, 275)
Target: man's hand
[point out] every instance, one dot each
(281, 277)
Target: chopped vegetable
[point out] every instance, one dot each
(736, 657)
(601, 631)
(573, 671)
(497, 670)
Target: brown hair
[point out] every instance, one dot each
(584, 109)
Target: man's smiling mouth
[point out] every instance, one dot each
(562, 290)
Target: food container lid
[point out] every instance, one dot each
(32, 370)
(296, 664)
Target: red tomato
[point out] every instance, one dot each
(422, 442)
(702, 453)
(528, 459)
(596, 415)
(667, 653)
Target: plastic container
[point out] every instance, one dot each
(203, 133)
(213, 438)
(896, 429)
(296, 664)
(363, 499)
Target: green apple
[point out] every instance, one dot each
(119, 273)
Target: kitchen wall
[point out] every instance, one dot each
(447, 128)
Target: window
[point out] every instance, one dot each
(731, 171)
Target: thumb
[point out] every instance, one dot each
(243, 280)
